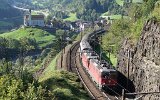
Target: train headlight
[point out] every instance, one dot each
(109, 81)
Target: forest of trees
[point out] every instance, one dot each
(17, 83)
(18, 77)
(84, 9)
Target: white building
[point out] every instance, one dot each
(34, 20)
(84, 25)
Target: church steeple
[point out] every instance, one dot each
(30, 15)
(30, 11)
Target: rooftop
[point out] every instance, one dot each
(37, 17)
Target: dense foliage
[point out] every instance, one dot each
(84, 9)
(25, 43)
(60, 14)
(131, 28)
(20, 84)
(19, 78)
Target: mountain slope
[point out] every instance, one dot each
(7, 11)
(77, 5)
(84, 9)
(9, 16)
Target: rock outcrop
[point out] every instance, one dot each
(143, 60)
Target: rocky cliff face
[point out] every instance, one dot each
(143, 60)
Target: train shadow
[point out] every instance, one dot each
(122, 84)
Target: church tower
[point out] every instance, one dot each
(30, 15)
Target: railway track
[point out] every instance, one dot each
(73, 64)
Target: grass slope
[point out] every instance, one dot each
(117, 16)
(105, 14)
(114, 16)
(72, 17)
(113, 59)
(137, 1)
(120, 2)
(62, 83)
(42, 37)
(48, 72)
(64, 86)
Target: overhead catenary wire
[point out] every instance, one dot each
(117, 82)
(114, 68)
(137, 64)
(131, 61)
(112, 79)
(109, 87)
(127, 89)
(113, 91)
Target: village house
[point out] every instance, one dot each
(34, 20)
(85, 24)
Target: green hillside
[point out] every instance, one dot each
(137, 1)
(42, 37)
(72, 17)
(120, 2)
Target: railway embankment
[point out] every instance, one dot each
(61, 61)
(143, 60)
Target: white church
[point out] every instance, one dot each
(34, 20)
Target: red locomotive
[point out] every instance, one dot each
(100, 71)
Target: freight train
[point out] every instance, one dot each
(101, 72)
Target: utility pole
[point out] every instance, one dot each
(123, 94)
(142, 94)
(64, 40)
(61, 51)
(21, 58)
(81, 35)
(6, 56)
(70, 59)
(81, 29)
(109, 53)
(128, 67)
(62, 48)
(94, 41)
(100, 42)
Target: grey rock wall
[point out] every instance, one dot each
(143, 60)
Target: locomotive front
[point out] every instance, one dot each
(108, 75)
(108, 78)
